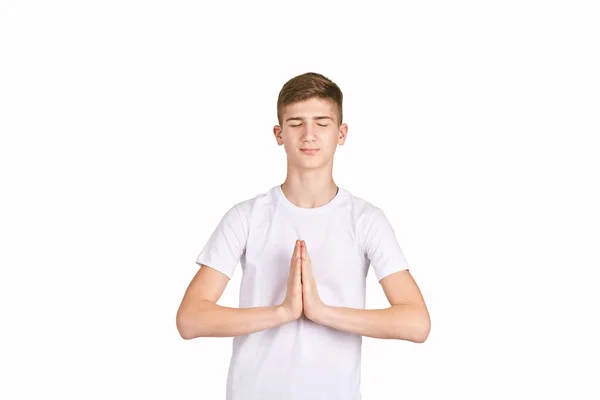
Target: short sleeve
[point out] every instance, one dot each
(226, 245)
(382, 248)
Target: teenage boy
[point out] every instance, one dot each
(305, 247)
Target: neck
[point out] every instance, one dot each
(309, 191)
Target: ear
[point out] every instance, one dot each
(343, 132)
(277, 133)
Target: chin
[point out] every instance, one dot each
(317, 164)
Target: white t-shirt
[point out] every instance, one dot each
(301, 359)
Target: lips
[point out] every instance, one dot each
(309, 151)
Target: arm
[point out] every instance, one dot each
(200, 316)
(406, 319)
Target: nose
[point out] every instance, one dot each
(309, 133)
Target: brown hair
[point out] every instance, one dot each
(306, 86)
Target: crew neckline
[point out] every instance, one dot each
(309, 211)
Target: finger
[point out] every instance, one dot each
(297, 248)
(305, 270)
(294, 257)
(307, 262)
(298, 256)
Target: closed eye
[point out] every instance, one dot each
(294, 126)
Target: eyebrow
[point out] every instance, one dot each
(317, 118)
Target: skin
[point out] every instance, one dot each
(313, 306)
(407, 317)
(312, 123)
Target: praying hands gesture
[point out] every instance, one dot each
(302, 295)
(407, 317)
(310, 296)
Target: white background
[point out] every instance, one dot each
(130, 127)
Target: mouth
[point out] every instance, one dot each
(309, 151)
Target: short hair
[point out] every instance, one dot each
(307, 86)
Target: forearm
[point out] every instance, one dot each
(404, 322)
(212, 320)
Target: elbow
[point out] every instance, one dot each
(184, 326)
(191, 322)
(421, 335)
(422, 328)
(417, 329)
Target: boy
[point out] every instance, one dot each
(305, 247)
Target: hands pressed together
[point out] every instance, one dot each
(302, 296)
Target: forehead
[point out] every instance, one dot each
(310, 107)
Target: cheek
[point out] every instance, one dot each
(332, 142)
(290, 149)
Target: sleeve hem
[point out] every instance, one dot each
(388, 271)
(214, 266)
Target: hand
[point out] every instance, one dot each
(313, 306)
(292, 304)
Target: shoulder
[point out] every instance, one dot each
(371, 223)
(363, 210)
(263, 200)
(255, 208)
